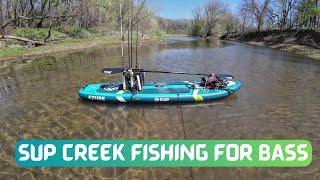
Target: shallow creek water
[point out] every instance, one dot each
(280, 99)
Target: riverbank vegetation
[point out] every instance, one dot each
(304, 41)
(215, 18)
(291, 25)
(28, 27)
(212, 20)
(175, 26)
(32, 27)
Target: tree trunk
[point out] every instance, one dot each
(4, 10)
(43, 12)
(315, 16)
(1, 7)
(32, 12)
(283, 22)
(50, 23)
(260, 24)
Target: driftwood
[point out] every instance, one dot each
(32, 42)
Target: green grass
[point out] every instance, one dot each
(12, 52)
(41, 33)
(67, 39)
(67, 44)
(38, 34)
(76, 32)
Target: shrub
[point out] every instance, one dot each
(156, 34)
(35, 33)
(76, 32)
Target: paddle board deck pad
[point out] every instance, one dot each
(174, 92)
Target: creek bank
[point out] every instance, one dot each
(303, 42)
(19, 47)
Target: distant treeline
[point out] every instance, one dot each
(175, 26)
(214, 18)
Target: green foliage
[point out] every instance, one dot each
(35, 33)
(73, 32)
(315, 11)
(197, 29)
(307, 9)
(76, 32)
(156, 34)
(12, 51)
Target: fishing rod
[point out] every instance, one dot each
(131, 33)
(122, 50)
(137, 65)
(122, 38)
(128, 41)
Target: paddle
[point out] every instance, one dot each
(112, 70)
(196, 74)
(120, 70)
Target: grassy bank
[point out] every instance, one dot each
(302, 42)
(64, 40)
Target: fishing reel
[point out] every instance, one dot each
(133, 79)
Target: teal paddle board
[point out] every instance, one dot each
(172, 92)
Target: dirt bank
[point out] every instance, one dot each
(304, 42)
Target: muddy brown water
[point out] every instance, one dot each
(280, 99)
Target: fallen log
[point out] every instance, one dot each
(32, 42)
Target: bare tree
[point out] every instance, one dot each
(211, 10)
(245, 19)
(285, 10)
(197, 22)
(258, 10)
(63, 14)
(231, 23)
